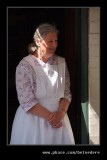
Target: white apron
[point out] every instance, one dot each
(32, 129)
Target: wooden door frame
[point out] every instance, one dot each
(82, 73)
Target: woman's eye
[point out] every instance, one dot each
(53, 41)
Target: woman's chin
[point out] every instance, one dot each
(49, 55)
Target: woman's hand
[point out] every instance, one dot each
(56, 119)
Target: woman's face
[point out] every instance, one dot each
(49, 44)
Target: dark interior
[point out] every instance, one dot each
(21, 26)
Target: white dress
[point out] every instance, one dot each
(33, 130)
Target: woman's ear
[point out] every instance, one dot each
(37, 41)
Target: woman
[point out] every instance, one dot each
(43, 89)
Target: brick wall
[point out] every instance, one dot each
(94, 75)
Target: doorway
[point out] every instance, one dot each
(21, 26)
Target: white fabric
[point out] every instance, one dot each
(32, 129)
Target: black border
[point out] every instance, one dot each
(36, 150)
